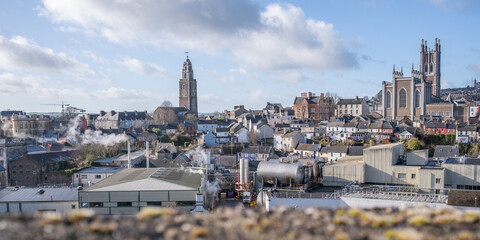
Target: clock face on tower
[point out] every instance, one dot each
(184, 90)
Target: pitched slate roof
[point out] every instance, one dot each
(334, 149)
(100, 170)
(350, 101)
(356, 150)
(308, 147)
(257, 149)
(444, 151)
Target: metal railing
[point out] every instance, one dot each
(399, 193)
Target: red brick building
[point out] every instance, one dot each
(316, 108)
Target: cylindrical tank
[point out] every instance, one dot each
(284, 172)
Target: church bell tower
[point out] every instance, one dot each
(188, 88)
(430, 65)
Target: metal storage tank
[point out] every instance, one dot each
(284, 172)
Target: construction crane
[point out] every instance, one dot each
(56, 104)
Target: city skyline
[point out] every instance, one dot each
(108, 56)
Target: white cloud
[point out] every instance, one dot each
(277, 37)
(30, 85)
(193, 24)
(20, 54)
(289, 40)
(135, 65)
(114, 93)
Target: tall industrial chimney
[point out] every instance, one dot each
(147, 152)
(129, 157)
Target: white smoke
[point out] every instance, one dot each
(212, 188)
(199, 157)
(97, 137)
(91, 136)
(194, 171)
(73, 130)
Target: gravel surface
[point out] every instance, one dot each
(237, 223)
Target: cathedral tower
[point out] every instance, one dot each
(188, 88)
(430, 65)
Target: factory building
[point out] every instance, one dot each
(386, 164)
(35, 200)
(129, 190)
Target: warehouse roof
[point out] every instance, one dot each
(64, 194)
(151, 179)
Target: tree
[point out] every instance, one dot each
(413, 144)
(157, 131)
(252, 137)
(166, 103)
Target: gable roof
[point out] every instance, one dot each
(308, 147)
(350, 101)
(356, 150)
(258, 149)
(137, 179)
(444, 151)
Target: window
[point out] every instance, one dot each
(437, 180)
(95, 204)
(440, 113)
(98, 176)
(417, 98)
(402, 175)
(414, 175)
(388, 99)
(124, 204)
(84, 176)
(154, 203)
(447, 114)
(186, 203)
(402, 98)
(312, 110)
(434, 113)
(340, 111)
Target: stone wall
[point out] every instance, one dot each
(250, 223)
(463, 198)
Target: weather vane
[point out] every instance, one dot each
(187, 54)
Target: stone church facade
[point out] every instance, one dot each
(188, 88)
(418, 94)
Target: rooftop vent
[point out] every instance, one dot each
(41, 191)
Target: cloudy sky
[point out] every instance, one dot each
(128, 55)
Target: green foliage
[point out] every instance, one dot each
(157, 131)
(165, 139)
(90, 152)
(413, 144)
(180, 140)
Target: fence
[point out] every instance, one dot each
(399, 193)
